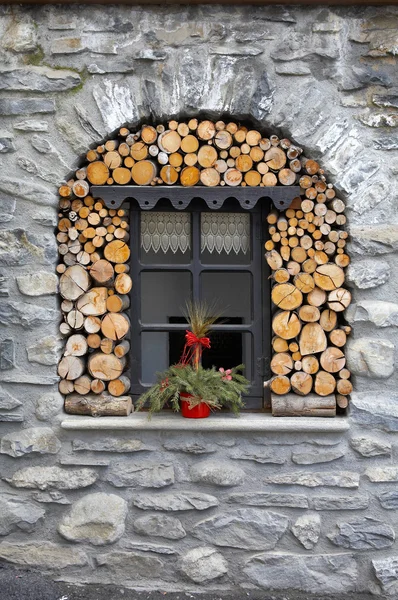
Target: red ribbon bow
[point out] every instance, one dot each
(193, 345)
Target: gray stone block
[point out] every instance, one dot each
(40, 283)
(7, 354)
(386, 571)
(52, 497)
(18, 514)
(175, 502)
(364, 534)
(270, 499)
(27, 315)
(377, 312)
(246, 528)
(307, 530)
(147, 475)
(20, 35)
(160, 526)
(259, 455)
(146, 547)
(381, 119)
(369, 447)
(353, 502)
(389, 500)
(46, 351)
(344, 479)
(196, 445)
(386, 143)
(368, 240)
(371, 357)
(49, 406)
(31, 125)
(217, 473)
(35, 440)
(375, 410)
(321, 456)
(120, 566)
(26, 106)
(38, 79)
(331, 573)
(203, 564)
(8, 402)
(44, 555)
(382, 474)
(6, 142)
(368, 273)
(17, 248)
(110, 445)
(45, 478)
(96, 519)
(88, 43)
(29, 190)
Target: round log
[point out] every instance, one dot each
(325, 383)
(105, 366)
(279, 345)
(102, 272)
(143, 172)
(117, 251)
(93, 302)
(317, 297)
(312, 339)
(98, 386)
(74, 282)
(344, 387)
(189, 176)
(332, 360)
(280, 385)
(308, 313)
(304, 282)
(97, 173)
(328, 319)
(70, 367)
(286, 325)
(329, 276)
(310, 364)
(338, 337)
(82, 385)
(301, 383)
(119, 387)
(76, 345)
(286, 296)
(123, 283)
(339, 300)
(281, 364)
(92, 324)
(122, 349)
(115, 326)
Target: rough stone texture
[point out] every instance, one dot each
(38, 79)
(368, 273)
(43, 555)
(389, 500)
(370, 447)
(27, 315)
(386, 571)
(194, 446)
(379, 313)
(216, 473)
(357, 502)
(39, 440)
(46, 351)
(270, 499)
(333, 573)
(18, 247)
(41, 283)
(260, 455)
(382, 474)
(52, 497)
(307, 530)
(364, 534)
(245, 528)
(109, 445)
(97, 519)
(128, 565)
(49, 406)
(7, 354)
(375, 410)
(345, 479)
(312, 458)
(371, 357)
(148, 475)
(26, 106)
(203, 564)
(160, 526)
(17, 514)
(44, 478)
(175, 502)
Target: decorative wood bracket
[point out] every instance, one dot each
(180, 197)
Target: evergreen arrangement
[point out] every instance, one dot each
(216, 388)
(211, 386)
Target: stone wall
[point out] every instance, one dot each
(179, 511)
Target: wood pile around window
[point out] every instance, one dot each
(305, 252)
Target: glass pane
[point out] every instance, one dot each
(164, 295)
(229, 349)
(165, 237)
(225, 238)
(231, 293)
(154, 355)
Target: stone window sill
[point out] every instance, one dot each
(216, 422)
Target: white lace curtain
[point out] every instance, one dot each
(220, 232)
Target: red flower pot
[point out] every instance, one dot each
(200, 411)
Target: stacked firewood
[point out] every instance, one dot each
(305, 250)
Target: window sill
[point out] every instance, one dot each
(175, 422)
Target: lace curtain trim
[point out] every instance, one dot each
(220, 232)
(165, 231)
(225, 232)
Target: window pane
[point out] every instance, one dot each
(164, 294)
(165, 237)
(231, 293)
(225, 238)
(154, 355)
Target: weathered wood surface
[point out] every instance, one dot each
(312, 405)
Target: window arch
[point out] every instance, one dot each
(111, 232)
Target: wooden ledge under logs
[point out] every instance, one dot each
(180, 197)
